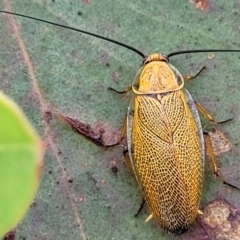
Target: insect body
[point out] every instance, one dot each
(165, 144)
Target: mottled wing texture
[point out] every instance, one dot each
(167, 158)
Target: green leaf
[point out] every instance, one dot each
(79, 196)
(20, 161)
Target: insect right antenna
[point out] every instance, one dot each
(201, 51)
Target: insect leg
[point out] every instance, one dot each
(211, 154)
(129, 88)
(140, 208)
(123, 134)
(188, 77)
(208, 116)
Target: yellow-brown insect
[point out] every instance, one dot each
(165, 144)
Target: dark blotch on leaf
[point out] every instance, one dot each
(10, 235)
(48, 116)
(85, 130)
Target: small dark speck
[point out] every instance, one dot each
(79, 13)
(114, 169)
(70, 180)
(48, 116)
(53, 0)
(34, 204)
(107, 65)
(50, 172)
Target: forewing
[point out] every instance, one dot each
(167, 158)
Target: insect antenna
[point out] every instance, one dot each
(201, 51)
(81, 31)
(117, 42)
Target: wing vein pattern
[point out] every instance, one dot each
(167, 158)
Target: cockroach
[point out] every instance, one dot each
(165, 145)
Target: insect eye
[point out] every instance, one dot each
(144, 61)
(165, 58)
(179, 79)
(136, 86)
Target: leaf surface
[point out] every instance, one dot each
(79, 196)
